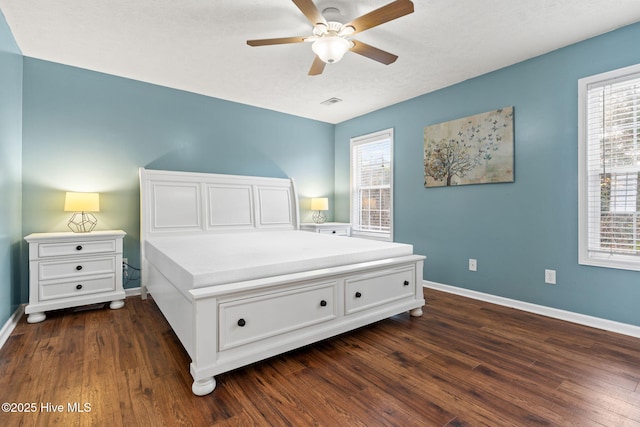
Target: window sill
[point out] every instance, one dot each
(386, 237)
(617, 262)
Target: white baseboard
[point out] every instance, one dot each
(582, 319)
(11, 324)
(132, 292)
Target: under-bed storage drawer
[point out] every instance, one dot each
(250, 319)
(371, 290)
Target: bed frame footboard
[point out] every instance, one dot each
(225, 327)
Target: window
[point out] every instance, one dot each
(372, 185)
(609, 169)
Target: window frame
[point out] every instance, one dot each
(386, 134)
(585, 255)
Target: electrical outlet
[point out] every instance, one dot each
(125, 267)
(550, 277)
(473, 264)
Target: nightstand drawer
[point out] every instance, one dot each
(76, 268)
(342, 231)
(333, 228)
(77, 287)
(76, 248)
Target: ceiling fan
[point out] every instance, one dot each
(331, 40)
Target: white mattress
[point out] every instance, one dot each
(203, 260)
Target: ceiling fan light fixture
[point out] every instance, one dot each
(330, 48)
(346, 31)
(331, 36)
(319, 29)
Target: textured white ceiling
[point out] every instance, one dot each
(199, 45)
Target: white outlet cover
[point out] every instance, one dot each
(550, 277)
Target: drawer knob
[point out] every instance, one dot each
(78, 287)
(241, 322)
(358, 294)
(79, 248)
(334, 231)
(323, 303)
(78, 267)
(406, 283)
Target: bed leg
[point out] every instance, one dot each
(416, 312)
(203, 387)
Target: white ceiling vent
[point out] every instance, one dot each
(331, 101)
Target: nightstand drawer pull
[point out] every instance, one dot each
(78, 267)
(78, 287)
(241, 322)
(79, 248)
(323, 303)
(334, 232)
(358, 294)
(406, 283)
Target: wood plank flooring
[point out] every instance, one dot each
(464, 363)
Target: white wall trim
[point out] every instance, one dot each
(132, 292)
(569, 316)
(11, 324)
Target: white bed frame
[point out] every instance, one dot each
(286, 311)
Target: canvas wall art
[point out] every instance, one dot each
(472, 150)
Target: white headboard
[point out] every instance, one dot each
(189, 202)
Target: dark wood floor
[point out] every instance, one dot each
(464, 362)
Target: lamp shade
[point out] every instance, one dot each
(330, 48)
(82, 202)
(320, 204)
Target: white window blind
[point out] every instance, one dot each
(371, 185)
(610, 137)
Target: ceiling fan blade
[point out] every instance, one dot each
(373, 52)
(317, 67)
(281, 40)
(379, 16)
(309, 9)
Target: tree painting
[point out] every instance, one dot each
(472, 150)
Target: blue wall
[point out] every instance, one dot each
(10, 171)
(86, 131)
(514, 230)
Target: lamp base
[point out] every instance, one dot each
(318, 217)
(82, 222)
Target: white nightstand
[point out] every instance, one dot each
(337, 228)
(70, 269)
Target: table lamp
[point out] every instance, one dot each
(82, 204)
(318, 205)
